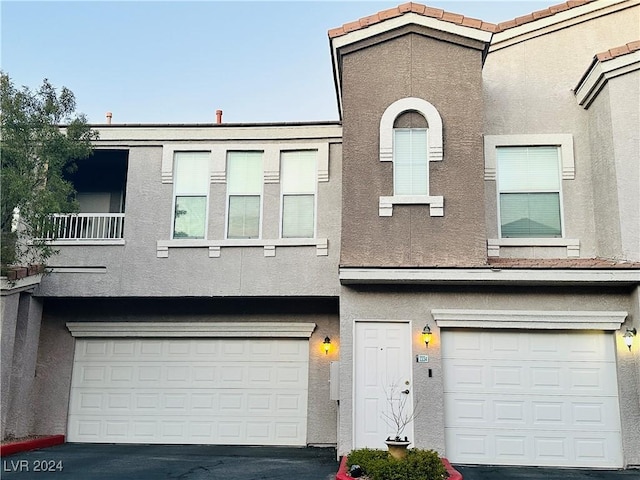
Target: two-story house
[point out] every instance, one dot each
(464, 241)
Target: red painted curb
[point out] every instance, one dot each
(343, 475)
(27, 445)
(453, 473)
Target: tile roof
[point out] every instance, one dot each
(562, 263)
(618, 51)
(451, 17)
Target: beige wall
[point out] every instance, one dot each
(528, 89)
(447, 75)
(624, 98)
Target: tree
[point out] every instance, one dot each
(36, 151)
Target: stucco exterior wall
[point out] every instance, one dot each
(8, 321)
(629, 383)
(624, 97)
(21, 314)
(607, 212)
(56, 350)
(414, 303)
(134, 269)
(447, 75)
(528, 89)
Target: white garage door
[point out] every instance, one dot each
(200, 391)
(524, 398)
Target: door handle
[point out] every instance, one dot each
(406, 392)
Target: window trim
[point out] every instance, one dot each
(434, 127)
(564, 142)
(434, 152)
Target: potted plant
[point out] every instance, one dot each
(398, 416)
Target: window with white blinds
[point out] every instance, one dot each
(410, 161)
(298, 174)
(529, 192)
(190, 194)
(244, 194)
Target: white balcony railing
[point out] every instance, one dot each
(85, 226)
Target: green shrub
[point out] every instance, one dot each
(379, 465)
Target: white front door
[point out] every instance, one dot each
(382, 377)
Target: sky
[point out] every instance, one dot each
(180, 61)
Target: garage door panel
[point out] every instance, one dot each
(539, 447)
(129, 391)
(141, 402)
(231, 350)
(504, 376)
(168, 374)
(551, 345)
(532, 405)
(481, 410)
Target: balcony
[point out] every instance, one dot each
(85, 228)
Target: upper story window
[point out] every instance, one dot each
(526, 173)
(529, 192)
(244, 194)
(410, 162)
(190, 194)
(298, 173)
(411, 149)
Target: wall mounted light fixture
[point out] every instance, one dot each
(628, 336)
(426, 335)
(327, 345)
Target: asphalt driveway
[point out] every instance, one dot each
(181, 462)
(195, 462)
(539, 473)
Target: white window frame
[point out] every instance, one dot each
(315, 194)
(174, 196)
(228, 195)
(564, 142)
(434, 152)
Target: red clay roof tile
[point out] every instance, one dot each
(389, 13)
(634, 46)
(418, 8)
(541, 13)
(433, 12)
(618, 51)
(453, 17)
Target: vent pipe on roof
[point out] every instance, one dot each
(218, 117)
(109, 115)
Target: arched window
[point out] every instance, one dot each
(411, 137)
